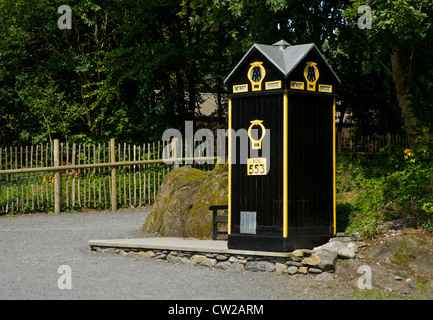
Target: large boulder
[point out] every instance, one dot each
(181, 208)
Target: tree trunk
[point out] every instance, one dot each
(402, 89)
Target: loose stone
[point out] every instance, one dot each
(314, 270)
(202, 260)
(280, 268)
(303, 270)
(221, 257)
(324, 276)
(292, 270)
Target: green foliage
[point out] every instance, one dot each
(387, 187)
(401, 30)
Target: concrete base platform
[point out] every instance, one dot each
(180, 244)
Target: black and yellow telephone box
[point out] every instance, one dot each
(281, 149)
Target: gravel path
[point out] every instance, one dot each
(33, 247)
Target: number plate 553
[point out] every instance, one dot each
(257, 167)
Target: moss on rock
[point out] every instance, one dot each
(181, 208)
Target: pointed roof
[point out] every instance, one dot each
(283, 56)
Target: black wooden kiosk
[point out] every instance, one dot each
(282, 186)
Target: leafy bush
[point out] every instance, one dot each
(371, 190)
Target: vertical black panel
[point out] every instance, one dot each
(310, 164)
(261, 194)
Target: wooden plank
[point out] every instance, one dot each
(129, 175)
(99, 177)
(113, 177)
(67, 176)
(124, 174)
(159, 166)
(79, 176)
(1, 182)
(56, 178)
(144, 174)
(148, 174)
(37, 176)
(135, 178)
(154, 173)
(47, 177)
(94, 176)
(22, 182)
(140, 198)
(31, 177)
(27, 176)
(84, 177)
(109, 177)
(103, 181)
(89, 176)
(7, 182)
(99, 165)
(73, 156)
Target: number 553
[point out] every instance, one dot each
(256, 167)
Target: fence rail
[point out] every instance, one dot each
(349, 143)
(59, 176)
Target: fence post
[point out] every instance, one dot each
(388, 139)
(113, 177)
(57, 178)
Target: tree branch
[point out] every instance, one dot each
(372, 52)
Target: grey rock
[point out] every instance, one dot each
(297, 259)
(265, 266)
(398, 278)
(333, 246)
(292, 270)
(322, 259)
(184, 260)
(294, 263)
(221, 257)
(352, 246)
(324, 276)
(251, 266)
(314, 270)
(228, 266)
(173, 258)
(346, 253)
(298, 253)
(202, 260)
(233, 259)
(328, 260)
(302, 253)
(280, 268)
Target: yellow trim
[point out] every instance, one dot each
(333, 166)
(297, 82)
(256, 144)
(229, 218)
(258, 83)
(311, 83)
(278, 85)
(285, 165)
(325, 85)
(240, 86)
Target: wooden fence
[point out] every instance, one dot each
(61, 176)
(64, 177)
(349, 143)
